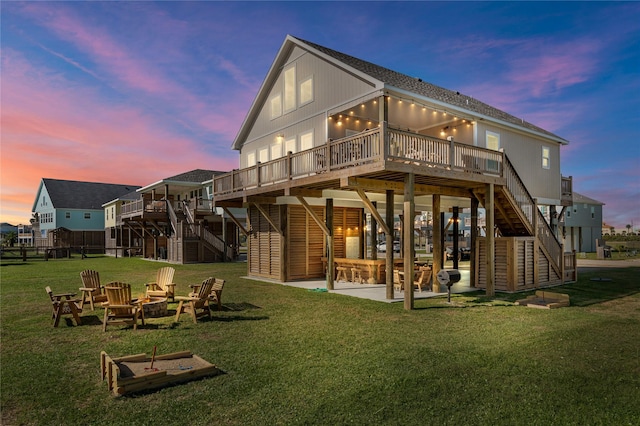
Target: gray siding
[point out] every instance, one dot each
(525, 152)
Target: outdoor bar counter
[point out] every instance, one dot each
(371, 271)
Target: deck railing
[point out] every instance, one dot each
(364, 148)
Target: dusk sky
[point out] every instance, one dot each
(133, 92)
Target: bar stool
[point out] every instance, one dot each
(356, 275)
(342, 274)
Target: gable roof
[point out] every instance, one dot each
(391, 80)
(71, 194)
(191, 178)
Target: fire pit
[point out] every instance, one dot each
(154, 306)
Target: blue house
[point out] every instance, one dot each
(70, 213)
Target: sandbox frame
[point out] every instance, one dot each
(127, 374)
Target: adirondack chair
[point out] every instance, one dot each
(198, 302)
(216, 292)
(63, 304)
(424, 278)
(119, 307)
(91, 288)
(164, 285)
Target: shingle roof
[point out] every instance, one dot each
(583, 199)
(70, 194)
(428, 90)
(197, 175)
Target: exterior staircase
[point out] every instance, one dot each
(184, 227)
(517, 215)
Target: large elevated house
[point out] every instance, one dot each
(331, 138)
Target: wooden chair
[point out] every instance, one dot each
(120, 308)
(216, 292)
(63, 304)
(424, 278)
(198, 300)
(164, 285)
(91, 288)
(398, 284)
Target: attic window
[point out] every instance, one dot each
(306, 91)
(290, 89)
(276, 106)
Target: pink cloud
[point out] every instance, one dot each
(59, 130)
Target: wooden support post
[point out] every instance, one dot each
(491, 242)
(409, 237)
(474, 244)
(456, 230)
(389, 241)
(373, 235)
(330, 257)
(437, 242)
(536, 246)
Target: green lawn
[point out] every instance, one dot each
(291, 356)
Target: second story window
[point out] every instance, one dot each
(67, 215)
(546, 157)
(87, 215)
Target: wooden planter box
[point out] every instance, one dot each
(131, 373)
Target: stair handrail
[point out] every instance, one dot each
(523, 198)
(217, 243)
(173, 219)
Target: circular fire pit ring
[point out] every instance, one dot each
(154, 307)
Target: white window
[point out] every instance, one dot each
(289, 89)
(306, 141)
(251, 159)
(546, 157)
(87, 215)
(290, 145)
(276, 106)
(493, 141)
(306, 91)
(67, 215)
(264, 155)
(276, 151)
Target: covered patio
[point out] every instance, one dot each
(375, 292)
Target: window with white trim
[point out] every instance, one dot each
(306, 91)
(546, 157)
(493, 143)
(306, 140)
(290, 89)
(290, 145)
(251, 159)
(263, 156)
(276, 151)
(276, 106)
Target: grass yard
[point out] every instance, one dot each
(291, 356)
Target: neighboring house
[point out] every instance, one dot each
(608, 229)
(69, 213)
(119, 240)
(331, 138)
(582, 224)
(25, 235)
(174, 219)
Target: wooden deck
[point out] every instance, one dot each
(381, 154)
